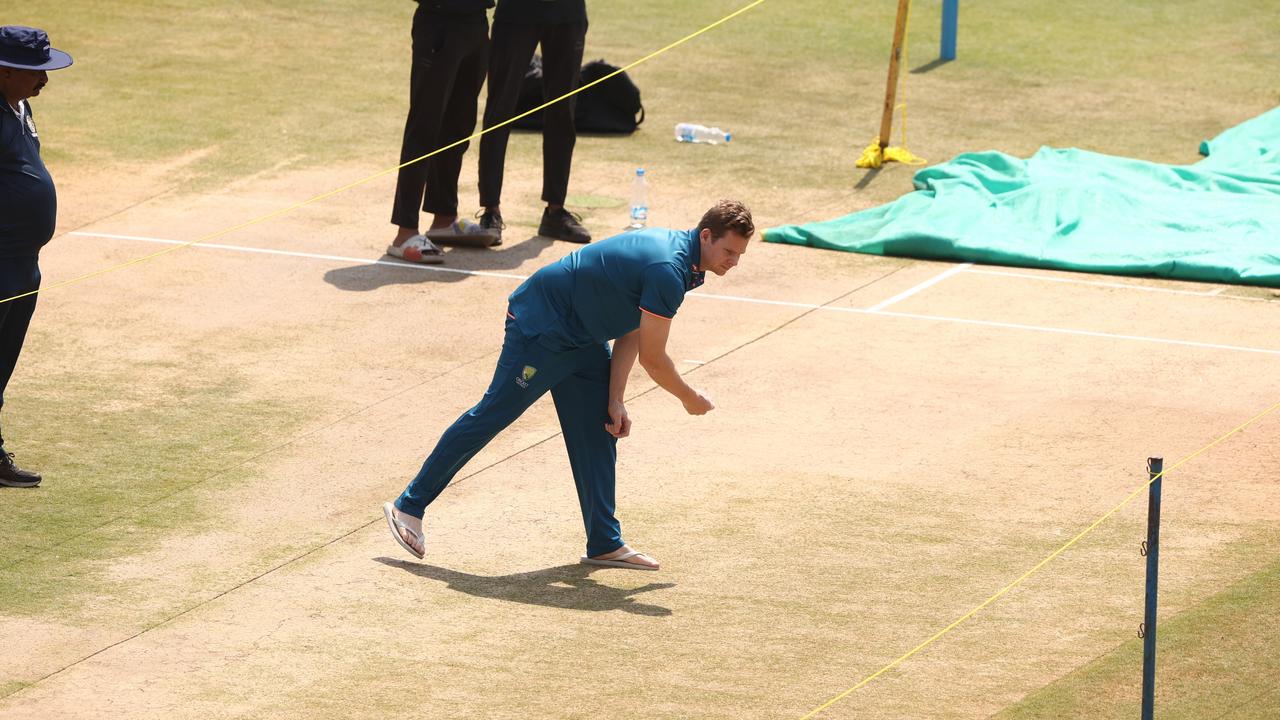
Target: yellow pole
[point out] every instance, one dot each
(891, 88)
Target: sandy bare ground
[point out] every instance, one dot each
(865, 480)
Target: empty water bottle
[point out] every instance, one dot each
(639, 201)
(691, 133)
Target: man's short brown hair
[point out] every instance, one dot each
(728, 215)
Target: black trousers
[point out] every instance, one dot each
(17, 276)
(513, 47)
(450, 56)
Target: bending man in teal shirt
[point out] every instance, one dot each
(626, 289)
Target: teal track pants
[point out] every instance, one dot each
(579, 383)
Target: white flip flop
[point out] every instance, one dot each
(618, 562)
(417, 249)
(396, 526)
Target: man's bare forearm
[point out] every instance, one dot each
(625, 350)
(663, 371)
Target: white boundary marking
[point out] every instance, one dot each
(738, 298)
(926, 284)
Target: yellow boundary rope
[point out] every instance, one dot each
(362, 181)
(902, 154)
(1042, 563)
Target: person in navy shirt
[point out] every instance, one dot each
(627, 289)
(28, 203)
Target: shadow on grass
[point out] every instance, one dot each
(929, 66)
(564, 586)
(458, 263)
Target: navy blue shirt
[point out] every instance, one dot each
(596, 294)
(28, 202)
(540, 12)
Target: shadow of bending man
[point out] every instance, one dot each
(564, 586)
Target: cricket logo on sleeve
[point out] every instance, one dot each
(526, 375)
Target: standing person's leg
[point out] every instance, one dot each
(582, 401)
(562, 47)
(17, 276)
(436, 56)
(525, 372)
(510, 52)
(459, 123)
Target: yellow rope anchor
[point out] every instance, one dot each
(879, 152)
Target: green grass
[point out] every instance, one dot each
(117, 447)
(1217, 660)
(258, 83)
(312, 83)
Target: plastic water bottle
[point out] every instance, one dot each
(639, 201)
(691, 133)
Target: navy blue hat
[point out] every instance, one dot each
(28, 49)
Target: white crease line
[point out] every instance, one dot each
(290, 253)
(733, 298)
(696, 362)
(394, 263)
(1097, 283)
(758, 301)
(1064, 331)
(922, 286)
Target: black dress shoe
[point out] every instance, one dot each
(560, 224)
(13, 476)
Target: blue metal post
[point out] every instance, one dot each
(1155, 469)
(950, 19)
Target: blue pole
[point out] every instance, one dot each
(1155, 469)
(950, 19)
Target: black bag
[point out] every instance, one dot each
(613, 106)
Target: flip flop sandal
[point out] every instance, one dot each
(618, 562)
(396, 526)
(417, 249)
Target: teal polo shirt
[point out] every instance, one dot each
(596, 294)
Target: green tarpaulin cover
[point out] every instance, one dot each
(1216, 220)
